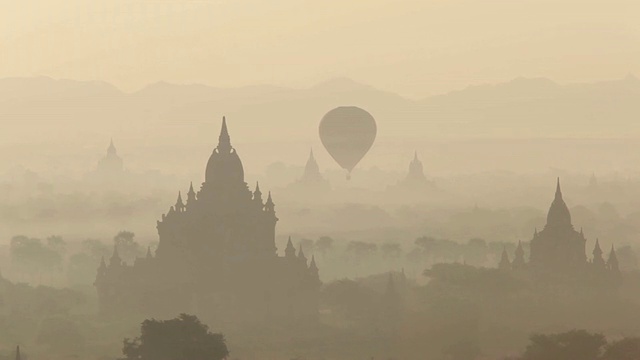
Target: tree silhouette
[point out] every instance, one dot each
(128, 248)
(324, 244)
(391, 249)
(625, 349)
(182, 338)
(30, 256)
(572, 345)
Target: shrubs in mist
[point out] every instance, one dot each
(324, 244)
(184, 337)
(33, 258)
(580, 344)
(82, 265)
(128, 248)
(47, 262)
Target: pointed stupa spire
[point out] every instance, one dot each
(191, 195)
(224, 141)
(311, 169)
(257, 195)
(269, 205)
(18, 357)
(290, 250)
(179, 203)
(612, 263)
(111, 150)
(597, 249)
(416, 171)
(597, 255)
(559, 216)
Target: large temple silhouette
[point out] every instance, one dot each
(559, 248)
(216, 257)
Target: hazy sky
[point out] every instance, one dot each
(414, 47)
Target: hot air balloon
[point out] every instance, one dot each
(348, 133)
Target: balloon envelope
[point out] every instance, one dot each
(348, 133)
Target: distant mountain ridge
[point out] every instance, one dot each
(164, 112)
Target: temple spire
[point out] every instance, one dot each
(311, 169)
(597, 255)
(179, 203)
(111, 150)
(269, 205)
(18, 357)
(290, 251)
(558, 190)
(612, 263)
(559, 216)
(224, 141)
(257, 195)
(191, 195)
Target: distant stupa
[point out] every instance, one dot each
(416, 171)
(311, 170)
(415, 178)
(111, 164)
(311, 177)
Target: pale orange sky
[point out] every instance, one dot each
(415, 48)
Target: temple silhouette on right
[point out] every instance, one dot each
(216, 257)
(559, 248)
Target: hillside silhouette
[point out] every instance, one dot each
(523, 107)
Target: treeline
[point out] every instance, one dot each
(56, 262)
(579, 344)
